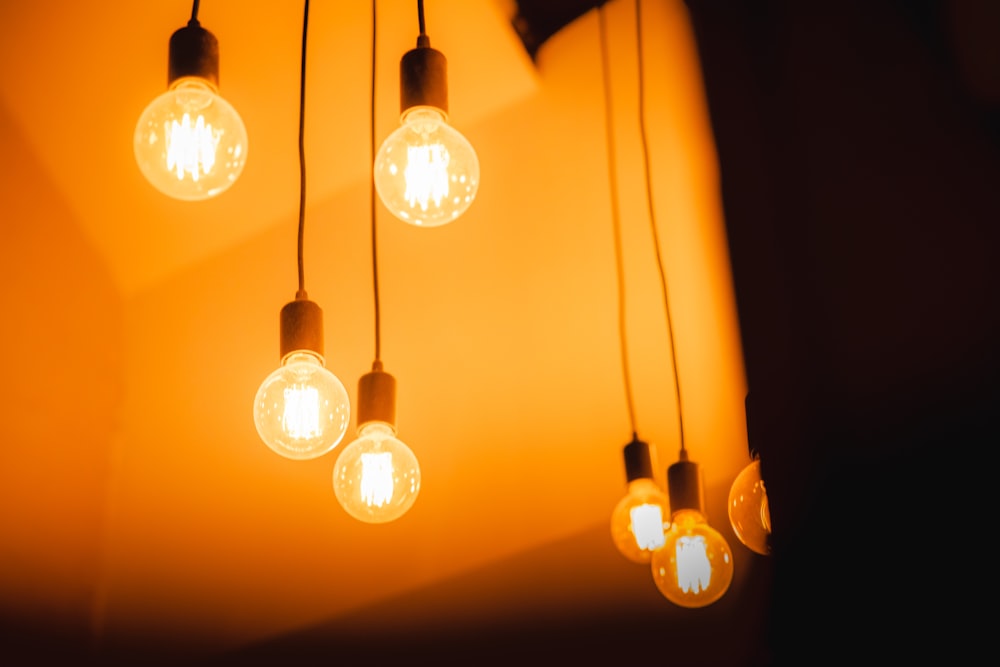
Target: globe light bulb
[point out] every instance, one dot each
(301, 410)
(376, 478)
(640, 519)
(694, 567)
(189, 142)
(426, 173)
(748, 509)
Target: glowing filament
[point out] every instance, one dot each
(647, 526)
(694, 570)
(301, 416)
(376, 478)
(426, 174)
(190, 148)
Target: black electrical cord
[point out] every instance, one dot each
(374, 208)
(615, 215)
(420, 18)
(652, 221)
(194, 13)
(301, 293)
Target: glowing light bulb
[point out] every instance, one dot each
(189, 142)
(301, 410)
(749, 513)
(376, 478)
(426, 173)
(694, 567)
(639, 520)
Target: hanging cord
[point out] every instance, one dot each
(301, 293)
(652, 221)
(615, 217)
(378, 338)
(194, 13)
(420, 18)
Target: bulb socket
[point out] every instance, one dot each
(194, 51)
(685, 487)
(377, 398)
(301, 327)
(638, 461)
(423, 78)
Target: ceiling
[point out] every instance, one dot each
(140, 510)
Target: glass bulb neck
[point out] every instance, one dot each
(423, 114)
(377, 431)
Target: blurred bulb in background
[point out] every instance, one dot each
(639, 520)
(189, 142)
(748, 509)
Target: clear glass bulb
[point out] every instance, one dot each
(695, 566)
(189, 142)
(748, 510)
(638, 522)
(376, 478)
(426, 173)
(302, 409)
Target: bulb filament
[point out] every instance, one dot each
(301, 417)
(694, 570)
(426, 174)
(191, 147)
(647, 526)
(376, 478)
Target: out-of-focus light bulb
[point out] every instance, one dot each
(301, 410)
(695, 566)
(748, 509)
(376, 478)
(640, 519)
(189, 142)
(426, 173)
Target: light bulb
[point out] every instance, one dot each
(695, 566)
(302, 410)
(748, 509)
(189, 142)
(426, 172)
(639, 520)
(376, 478)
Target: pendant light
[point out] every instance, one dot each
(301, 410)
(638, 519)
(189, 142)
(694, 567)
(376, 478)
(426, 173)
(749, 513)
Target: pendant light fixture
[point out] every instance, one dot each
(749, 513)
(376, 477)
(302, 410)
(638, 519)
(189, 142)
(694, 567)
(426, 173)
